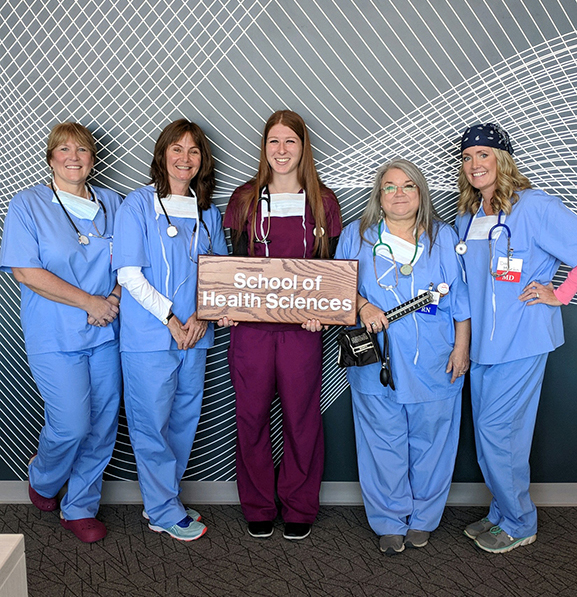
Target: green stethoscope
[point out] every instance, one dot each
(406, 269)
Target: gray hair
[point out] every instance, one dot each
(426, 215)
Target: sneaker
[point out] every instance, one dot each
(498, 541)
(295, 531)
(88, 530)
(189, 512)
(185, 530)
(415, 538)
(261, 529)
(391, 544)
(477, 528)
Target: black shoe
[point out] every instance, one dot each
(296, 530)
(261, 529)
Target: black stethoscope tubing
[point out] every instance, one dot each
(82, 238)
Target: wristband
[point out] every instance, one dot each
(114, 295)
(362, 307)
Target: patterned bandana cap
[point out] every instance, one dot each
(487, 135)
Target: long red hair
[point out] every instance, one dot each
(308, 179)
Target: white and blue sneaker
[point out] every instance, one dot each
(185, 530)
(189, 512)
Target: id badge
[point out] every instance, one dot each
(431, 308)
(514, 273)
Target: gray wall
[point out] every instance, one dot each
(373, 79)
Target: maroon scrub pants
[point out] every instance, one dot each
(290, 362)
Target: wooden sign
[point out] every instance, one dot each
(277, 290)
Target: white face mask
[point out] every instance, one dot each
(177, 206)
(284, 205)
(77, 206)
(480, 227)
(403, 251)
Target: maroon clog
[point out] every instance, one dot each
(42, 503)
(88, 530)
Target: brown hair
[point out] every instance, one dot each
(60, 134)
(307, 175)
(509, 180)
(204, 182)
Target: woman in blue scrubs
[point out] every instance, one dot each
(58, 244)
(407, 432)
(161, 229)
(512, 239)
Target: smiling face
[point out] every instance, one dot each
(402, 204)
(480, 168)
(283, 150)
(71, 164)
(183, 160)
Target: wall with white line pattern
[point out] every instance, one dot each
(374, 79)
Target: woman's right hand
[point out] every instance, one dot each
(100, 311)
(373, 318)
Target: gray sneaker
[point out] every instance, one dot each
(391, 544)
(415, 538)
(477, 528)
(498, 541)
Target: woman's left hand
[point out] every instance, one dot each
(535, 293)
(313, 325)
(458, 362)
(195, 329)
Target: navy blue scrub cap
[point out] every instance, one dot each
(488, 135)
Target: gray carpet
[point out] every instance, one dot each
(340, 558)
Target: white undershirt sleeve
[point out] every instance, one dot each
(143, 292)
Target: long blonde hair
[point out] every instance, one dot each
(509, 181)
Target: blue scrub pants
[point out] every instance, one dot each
(163, 397)
(406, 455)
(505, 398)
(81, 393)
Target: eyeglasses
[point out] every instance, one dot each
(391, 188)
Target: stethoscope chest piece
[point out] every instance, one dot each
(83, 239)
(461, 248)
(406, 269)
(172, 231)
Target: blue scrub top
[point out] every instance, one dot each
(141, 241)
(543, 234)
(421, 337)
(37, 234)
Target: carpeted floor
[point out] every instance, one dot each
(340, 558)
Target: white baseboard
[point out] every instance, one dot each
(332, 493)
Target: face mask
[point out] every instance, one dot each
(403, 251)
(284, 205)
(78, 206)
(177, 206)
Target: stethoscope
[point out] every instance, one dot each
(461, 246)
(210, 250)
(172, 230)
(265, 196)
(82, 238)
(406, 269)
